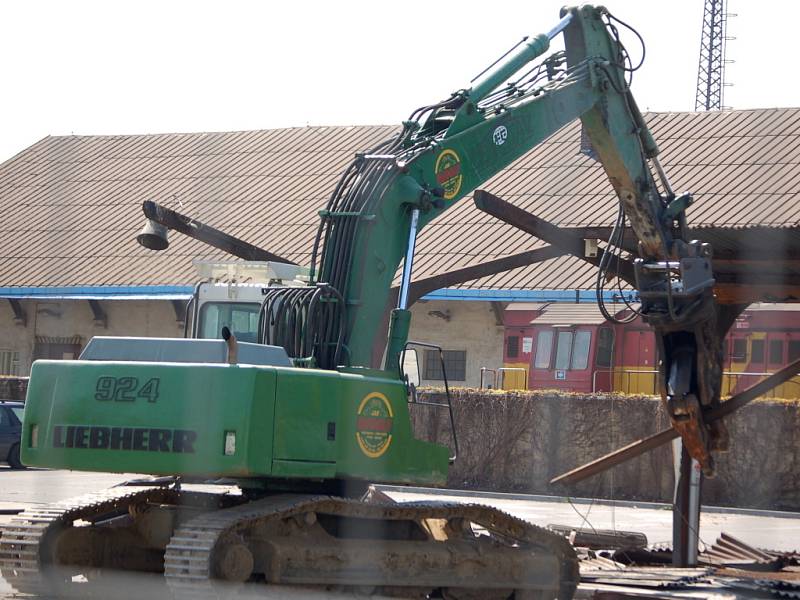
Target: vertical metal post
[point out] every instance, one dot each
(408, 263)
(695, 485)
(685, 508)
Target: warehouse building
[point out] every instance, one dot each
(70, 267)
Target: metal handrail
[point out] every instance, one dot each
(629, 372)
(498, 378)
(449, 404)
(494, 378)
(502, 371)
(738, 374)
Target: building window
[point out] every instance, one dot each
(605, 346)
(57, 348)
(455, 364)
(9, 362)
(544, 348)
(776, 352)
(739, 349)
(757, 351)
(794, 350)
(512, 346)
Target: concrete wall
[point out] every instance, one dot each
(469, 326)
(69, 318)
(517, 442)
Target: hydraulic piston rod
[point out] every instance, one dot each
(408, 264)
(530, 50)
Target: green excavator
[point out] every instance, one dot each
(297, 423)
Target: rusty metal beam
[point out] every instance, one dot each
(20, 316)
(430, 284)
(498, 308)
(567, 241)
(491, 267)
(98, 314)
(641, 446)
(207, 234)
(751, 249)
(727, 294)
(179, 306)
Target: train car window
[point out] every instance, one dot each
(580, 350)
(563, 350)
(757, 351)
(794, 350)
(776, 352)
(739, 349)
(605, 346)
(544, 348)
(512, 346)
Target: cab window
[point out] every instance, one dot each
(240, 317)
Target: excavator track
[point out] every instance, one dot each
(420, 548)
(323, 540)
(23, 542)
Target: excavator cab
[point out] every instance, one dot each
(230, 294)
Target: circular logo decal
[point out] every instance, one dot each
(374, 424)
(448, 173)
(500, 135)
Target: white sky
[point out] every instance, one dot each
(121, 67)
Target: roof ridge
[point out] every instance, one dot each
(116, 136)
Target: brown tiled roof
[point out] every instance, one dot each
(71, 205)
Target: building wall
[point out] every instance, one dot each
(460, 325)
(467, 326)
(70, 318)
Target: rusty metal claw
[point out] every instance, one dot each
(687, 418)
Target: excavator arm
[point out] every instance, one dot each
(446, 150)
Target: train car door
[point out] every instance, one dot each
(757, 365)
(637, 372)
(604, 356)
(776, 358)
(561, 358)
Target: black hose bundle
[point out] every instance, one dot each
(307, 321)
(311, 322)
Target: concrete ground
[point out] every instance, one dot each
(773, 530)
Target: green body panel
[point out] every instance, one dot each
(288, 423)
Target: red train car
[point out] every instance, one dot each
(572, 347)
